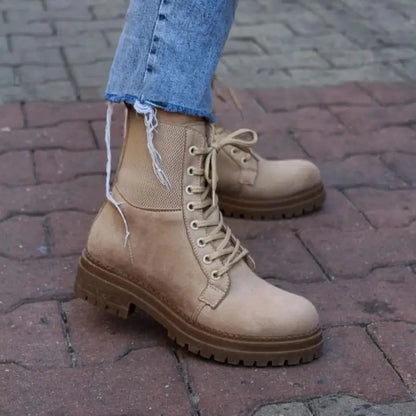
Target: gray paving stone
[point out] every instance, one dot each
(288, 409)
(45, 57)
(6, 76)
(73, 28)
(407, 67)
(91, 75)
(37, 74)
(26, 29)
(3, 44)
(351, 406)
(238, 47)
(273, 30)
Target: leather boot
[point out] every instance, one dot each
(252, 187)
(166, 250)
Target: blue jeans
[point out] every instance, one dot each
(167, 54)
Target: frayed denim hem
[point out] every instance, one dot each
(172, 108)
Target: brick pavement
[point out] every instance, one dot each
(355, 259)
(62, 49)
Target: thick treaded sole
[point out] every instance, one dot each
(120, 297)
(292, 206)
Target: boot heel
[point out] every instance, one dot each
(102, 293)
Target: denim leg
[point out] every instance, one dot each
(168, 52)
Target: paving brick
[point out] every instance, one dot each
(16, 168)
(288, 99)
(304, 119)
(44, 114)
(385, 208)
(274, 30)
(407, 67)
(237, 46)
(359, 170)
(25, 237)
(398, 340)
(319, 77)
(76, 13)
(45, 198)
(374, 118)
(38, 279)
(289, 409)
(69, 231)
(351, 406)
(117, 129)
(39, 325)
(351, 364)
(46, 57)
(385, 294)
(39, 74)
(276, 145)
(355, 253)
(90, 54)
(73, 28)
(60, 165)
(395, 93)
(75, 135)
(403, 164)
(11, 117)
(98, 337)
(95, 74)
(341, 146)
(26, 29)
(7, 76)
(337, 212)
(144, 382)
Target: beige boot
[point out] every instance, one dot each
(252, 187)
(181, 264)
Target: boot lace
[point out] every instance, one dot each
(227, 247)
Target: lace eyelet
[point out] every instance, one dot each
(201, 243)
(194, 225)
(244, 160)
(191, 150)
(188, 190)
(190, 206)
(190, 171)
(234, 151)
(206, 259)
(214, 275)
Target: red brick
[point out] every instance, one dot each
(69, 230)
(391, 93)
(32, 336)
(403, 164)
(355, 253)
(11, 117)
(84, 193)
(304, 119)
(363, 119)
(279, 145)
(277, 252)
(386, 293)
(47, 114)
(290, 99)
(35, 280)
(359, 170)
(146, 382)
(60, 165)
(16, 168)
(337, 212)
(117, 132)
(99, 337)
(70, 135)
(385, 208)
(351, 364)
(225, 105)
(22, 237)
(340, 146)
(398, 340)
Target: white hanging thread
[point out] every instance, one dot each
(150, 121)
(108, 193)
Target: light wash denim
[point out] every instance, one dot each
(168, 52)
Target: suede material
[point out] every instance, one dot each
(162, 251)
(273, 178)
(254, 307)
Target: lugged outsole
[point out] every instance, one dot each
(291, 207)
(120, 297)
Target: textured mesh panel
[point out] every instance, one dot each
(136, 179)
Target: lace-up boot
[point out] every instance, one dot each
(165, 249)
(253, 187)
